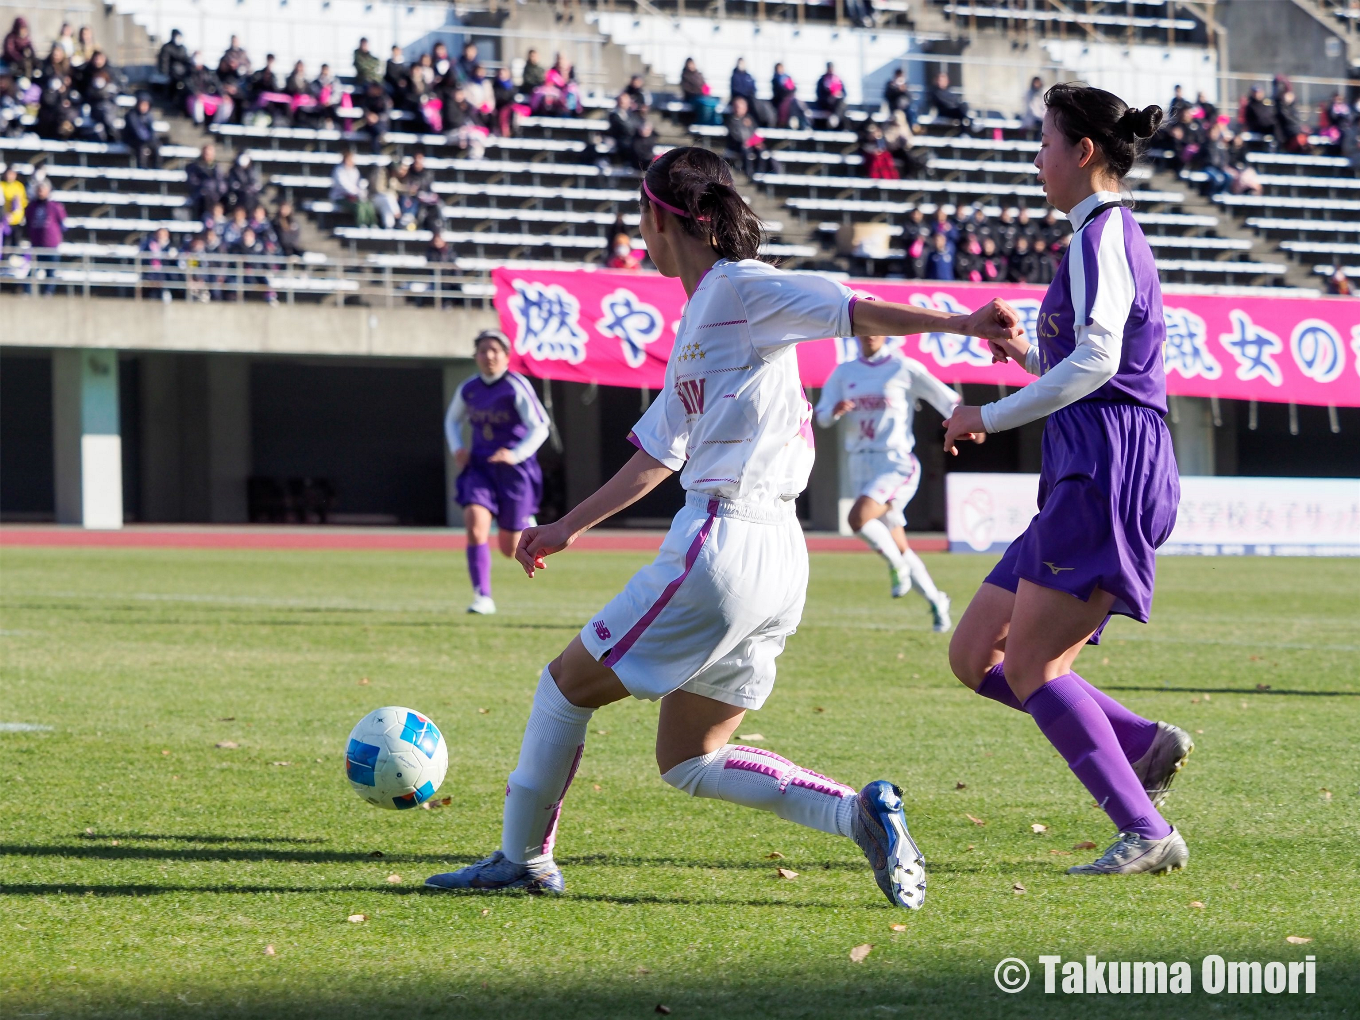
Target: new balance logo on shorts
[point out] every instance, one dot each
(691, 394)
(601, 630)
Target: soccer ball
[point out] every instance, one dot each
(396, 758)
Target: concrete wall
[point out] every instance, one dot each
(1278, 37)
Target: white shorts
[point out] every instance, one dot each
(885, 478)
(711, 613)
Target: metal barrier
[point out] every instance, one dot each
(119, 271)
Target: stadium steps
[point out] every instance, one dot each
(1263, 248)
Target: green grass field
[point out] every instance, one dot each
(144, 871)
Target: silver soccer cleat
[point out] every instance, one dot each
(939, 610)
(1132, 854)
(1164, 759)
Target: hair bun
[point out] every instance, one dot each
(1136, 123)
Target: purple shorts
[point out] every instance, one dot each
(1108, 494)
(510, 491)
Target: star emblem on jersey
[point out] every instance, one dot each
(691, 352)
(1056, 569)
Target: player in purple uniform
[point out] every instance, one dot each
(498, 473)
(1108, 490)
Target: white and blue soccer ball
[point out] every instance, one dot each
(396, 758)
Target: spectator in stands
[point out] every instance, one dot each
(1215, 160)
(533, 75)
(1207, 111)
(897, 96)
(978, 226)
(559, 95)
(915, 241)
(330, 97)
(644, 146)
(439, 251)
(397, 78)
(199, 279)
(621, 254)
(446, 74)
(377, 106)
(264, 230)
(624, 122)
(287, 231)
(205, 99)
(468, 62)
(426, 102)
(1256, 114)
(1045, 265)
(349, 191)
(251, 246)
(12, 108)
(244, 183)
(233, 70)
(968, 258)
(66, 38)
(424, 204)
(174, 62)
(99, 86)
(506, 98)
(19, 53)
(1335, 118)
(1289, 127)
(57, 114)
(139, 134)
(703, 104)
(946, 104)
(13, 200)
(234, 227)
(1021, 265)
(742, 84)
(386, 188)
(1245, 179)
(943, 225)
(745, 146)
(265, 80)
(831, 97)
(464, 125)
(1054, 231)
(57, 64)
(1032, 108)
(367, 67)
(900, 138)
(1178, 103)
(214, 225)
(642, 97)
(790, 111)
(1027, 227)
(878, 162)
(207, 182)
(45, 220)
(1338, 283)
(160, 254)
(85, 46)
(940, 259)
(481, 94)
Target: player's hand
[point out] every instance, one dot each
(1004, 350)
(965, 424)
(461, 457)
(501, 456)
(842, 407)
(996, 320)
(537, 543)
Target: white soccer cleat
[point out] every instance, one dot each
(1163, 761)
(482, 605)
(1132, 854)
(939, 609)
(901, 583)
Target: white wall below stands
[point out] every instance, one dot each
(1139, 75)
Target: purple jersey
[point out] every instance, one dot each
(500, 415)
(1108, 278)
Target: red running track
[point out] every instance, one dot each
(151, 537)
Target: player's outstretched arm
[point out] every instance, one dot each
(639, 476)
(996, 320)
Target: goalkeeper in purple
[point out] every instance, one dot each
(499, 476)
(1108, 490)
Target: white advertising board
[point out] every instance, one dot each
(1218, 516)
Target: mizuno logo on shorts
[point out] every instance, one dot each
(1056, 569)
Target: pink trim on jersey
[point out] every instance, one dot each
(691, 556)
(550, 837)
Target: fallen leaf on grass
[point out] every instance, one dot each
(1197, 904)
(357, 918)
(751, 736)
(1199, 732)
(1263, 687)
(960, 786)
(363, 681)
(283, 764)
(375, 853)
(970, 847)
(394, 879)
(1085, 844)
(1297, 940)
(114, 842)
(228, 745)
(602, 733)
(663, 1010)
(89, 832)
(1244, 704)
(165, 752)
(1038, 827)
(858, 954)
(486, 911)
(1208, 698)
(786, 873)
(975, 821)
(642, 970)
(819, 709)
(483, 711)
(774, 855)
(1061, 853)
(227, 718)
(1194, 701)
(596, 787)
(269, 951)
(1326, 793)
(899, 927)
(1018, 889)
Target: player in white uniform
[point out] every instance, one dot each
(700, 627)
(878, 391)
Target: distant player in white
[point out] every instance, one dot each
(700, 628)
(878, 391)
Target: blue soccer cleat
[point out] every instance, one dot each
(499, 872)
(880, 829)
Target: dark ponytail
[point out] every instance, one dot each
(695, 186)
(1118, 130)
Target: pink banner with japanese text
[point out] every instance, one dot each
(616, 329)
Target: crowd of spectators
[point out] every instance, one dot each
(969, 246)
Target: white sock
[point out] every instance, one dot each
(762, 779)
(876, 536)
(554, 740)
(920, 577)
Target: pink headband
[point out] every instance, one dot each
(665, 205)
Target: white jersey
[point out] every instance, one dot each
(732, 417)
(884, 390)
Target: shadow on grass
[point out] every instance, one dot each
(1266, 689)
(197, 838)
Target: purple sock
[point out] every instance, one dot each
(479, 567)
(1134, 732)
(1075, 724)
